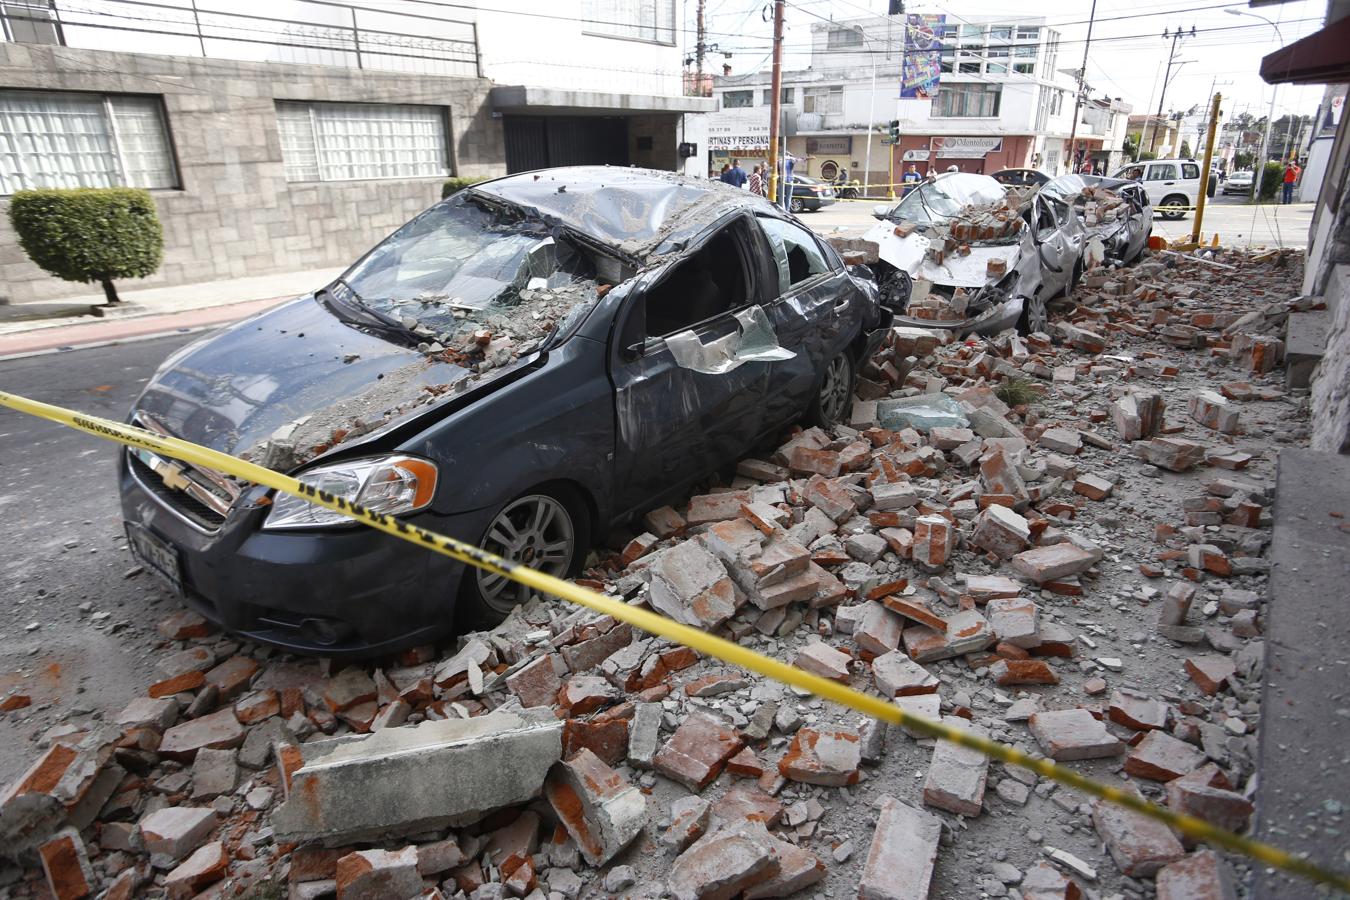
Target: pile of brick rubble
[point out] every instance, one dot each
(973, 571)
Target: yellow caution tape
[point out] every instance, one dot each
(707, 644)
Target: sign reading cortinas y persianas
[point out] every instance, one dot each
(738, 131)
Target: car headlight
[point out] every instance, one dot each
(392, 485)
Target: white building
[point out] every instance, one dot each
(590, 81)
(1004, 102)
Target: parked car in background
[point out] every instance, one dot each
(1115, 214)
(522, 366)
(1021, 177)
(961, 252)
(809, 194)
(1173, 185)
(1239, 182)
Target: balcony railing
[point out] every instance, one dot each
(316, 32)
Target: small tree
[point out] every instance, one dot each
(1186, 150)
(1272, 176)
(453, 186)
(90, 234)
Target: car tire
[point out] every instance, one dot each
(1034, 316)
(796, 205)
(1173, 200)
(521, 531)
(833, 399)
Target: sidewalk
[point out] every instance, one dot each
(67, 323)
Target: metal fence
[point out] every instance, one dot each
(417, 37)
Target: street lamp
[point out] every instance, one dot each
(1260, 173)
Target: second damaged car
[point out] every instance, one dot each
(963, 252)
(522, 366)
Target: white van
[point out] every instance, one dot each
(1173, 185)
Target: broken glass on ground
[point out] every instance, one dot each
(923, 412)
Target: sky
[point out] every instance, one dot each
(1125, 58)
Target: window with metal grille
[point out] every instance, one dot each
(843, 38)
(967, 100)
(361, 141)
(67, 139)
(637, 20)
(826, 101)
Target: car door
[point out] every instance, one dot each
(683, 408)
(1054, 251)
(810, 312)
(1160, 179)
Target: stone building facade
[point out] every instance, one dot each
(236, 206)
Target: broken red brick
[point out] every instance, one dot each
(822, 757)
(1023, 671)
(697, 751)
(1161, 757)
(1210, 673)
(66, 864)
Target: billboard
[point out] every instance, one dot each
(921, 66)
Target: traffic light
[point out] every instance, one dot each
(892, 132)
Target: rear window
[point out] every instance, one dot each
(1162, 172)
(1190, 170)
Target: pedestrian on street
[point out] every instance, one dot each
(757, 182)
(909, 180)
(1291, 173)
(738, 176)
(725, 175)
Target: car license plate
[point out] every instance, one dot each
(156, 553)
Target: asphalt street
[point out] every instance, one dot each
(58, 500)
(1237, 223)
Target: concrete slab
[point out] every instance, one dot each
(1302, 748)
(1304, 344)
(417, 778)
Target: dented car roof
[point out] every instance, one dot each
(638, 213)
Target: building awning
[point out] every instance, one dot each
(1322, 57)
(555, 102)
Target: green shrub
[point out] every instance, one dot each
(1018, 391)
(1272, 180)
(453, 186)
(89, 234)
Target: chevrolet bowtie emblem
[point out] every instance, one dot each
(174, 478)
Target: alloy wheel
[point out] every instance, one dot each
(834, 389)
(535, 530)
(795, 205)
(1034, 316)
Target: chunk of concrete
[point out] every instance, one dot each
(600, 809)
(904, 850)
(417, 778)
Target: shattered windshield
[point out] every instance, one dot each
(937, 201)
(467, 271)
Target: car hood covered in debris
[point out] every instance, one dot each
(296, 372)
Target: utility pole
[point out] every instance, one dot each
(1171, 58)
(1078, 96)
(1204, 169)
(699, 50)
(775, 104)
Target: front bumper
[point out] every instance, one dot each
(990, 322)
(341, 592)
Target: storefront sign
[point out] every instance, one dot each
(829, 146)
(921, 70)
(916, 156)
(966, 147)
(738, 132)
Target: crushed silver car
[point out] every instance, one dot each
(1115, 212)
(962, 252)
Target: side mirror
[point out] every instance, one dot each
(879, 211)
(858, 270)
